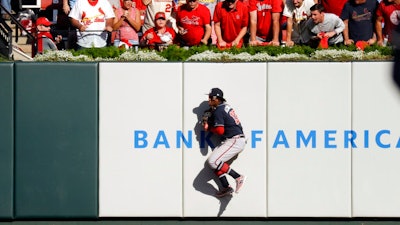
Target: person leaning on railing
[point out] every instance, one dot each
(194, 24)
(44, 39)
(387, 18)
(297, 13)
(93, 19)
(160, 35)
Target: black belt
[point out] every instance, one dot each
(238, 136)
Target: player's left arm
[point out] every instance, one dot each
(240, 36)
(206, 17)
(207, 34)
(276, 28)
(135, 23)
(340, 26)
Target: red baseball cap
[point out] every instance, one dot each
(43, 21)
(160, 15)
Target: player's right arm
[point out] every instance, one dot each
(275, 28)
(289, 28)
(77, 24)
(378, 30)
(253, 28)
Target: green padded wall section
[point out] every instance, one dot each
(56, 140)
(6, 140)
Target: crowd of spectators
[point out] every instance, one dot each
(228, 23)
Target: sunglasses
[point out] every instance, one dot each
(192, 0)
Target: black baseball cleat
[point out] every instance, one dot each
(224, 192)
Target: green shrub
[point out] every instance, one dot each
(106, 52)
(261, 53)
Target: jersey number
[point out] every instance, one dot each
(234, 116)
(168, 8)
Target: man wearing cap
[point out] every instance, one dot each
(231, 19)
(161, 34)
(92, 19)
(223, 121)
(193, 21)
(45, 40)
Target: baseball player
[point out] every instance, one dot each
(222, 120)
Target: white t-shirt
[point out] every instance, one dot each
(298, 14)
(94, 17)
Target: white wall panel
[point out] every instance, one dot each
(309, 181)
(244, 87)
(376, 109)
(138, 178)
(352, 119)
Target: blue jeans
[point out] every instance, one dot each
(7, 5)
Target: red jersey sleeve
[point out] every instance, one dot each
(277, 6)
(378, 12)
(245, 16)
(252, 5)
(217, 12)
(206, 15)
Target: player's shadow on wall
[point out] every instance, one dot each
(206, 174)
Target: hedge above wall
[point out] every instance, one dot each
(213, 54)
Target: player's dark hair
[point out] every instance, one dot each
(221, 99)
(318, 7)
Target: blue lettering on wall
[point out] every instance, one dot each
(378, 138)
(301, 138)
(161, 139)
(255, 138)
(349, 137)
(280, 140)
(366, 139)
(206, 139)
(328, 139)
(140, 139)
(187, 141)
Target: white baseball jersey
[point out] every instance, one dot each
(156, 6)
(298, 14)
(94, 17)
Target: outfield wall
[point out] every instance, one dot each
(121, 140)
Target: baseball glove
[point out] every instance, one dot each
(206, 118)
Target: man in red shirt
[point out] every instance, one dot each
(265, 21)
(193, 21)
(388, 12)
(231, 19)
(333, 6)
